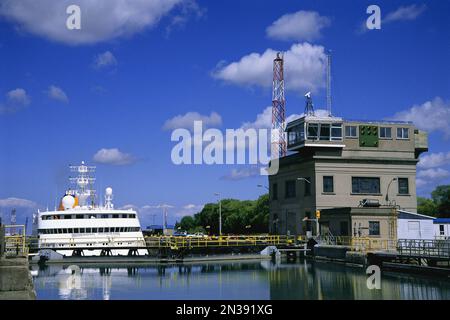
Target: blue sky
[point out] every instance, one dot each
(66, 95)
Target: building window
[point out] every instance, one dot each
(336, 131)
(385, 132)
(403, 186)
(328, 184)
(402, 133)
(307, 186)
(274, 191)
(374, 228)
(366, 185)
(324, 132)
(290, 189)
(313, 131)
(441, 230)
(350, 131)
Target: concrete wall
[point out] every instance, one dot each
(2, 240)
(343, 172)
(16, 282)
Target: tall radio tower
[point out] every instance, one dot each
(278, 109)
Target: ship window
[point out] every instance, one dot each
(67, 216)
(115, 216)
(100, 230)
(132, 216)
(121, 230)
(64, 230)
(82, 230)
(70, 230)
(116, 229)
(104, 216)
(79, 216)
(88, 230)
(76, 230)
(94, 230)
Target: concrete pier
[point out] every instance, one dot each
(16, 282)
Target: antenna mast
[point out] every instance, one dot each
(329, 82)
(278, 109)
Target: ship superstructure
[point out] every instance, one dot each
(80, 227)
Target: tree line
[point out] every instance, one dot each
(438, 205)
(238, 217)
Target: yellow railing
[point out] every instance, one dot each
(15, 240)
(363, 244)
(216, 241)
(373, 244)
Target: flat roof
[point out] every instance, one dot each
(441, 220)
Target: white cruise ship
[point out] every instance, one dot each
(79, 227)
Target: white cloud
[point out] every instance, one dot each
(242, 173)
(105, 59)
(15, 100)
(433, 174)
(187, 120)
(298, 26)
(430, 116)
(113, 156)
(101, 20)
(405, 13)
(57, 93)
(188, 210)
(305, 66)
(17, 203)
(433, 160)
(188, 9)
(18, 96)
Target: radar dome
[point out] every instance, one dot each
(68, 202)
(108, 191)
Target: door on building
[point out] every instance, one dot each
(414, 229)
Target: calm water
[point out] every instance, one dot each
(230, 280)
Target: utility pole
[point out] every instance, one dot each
(220, 213)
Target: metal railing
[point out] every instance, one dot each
(425, 248)
(219, 241)
(15, 240)
(362, 244)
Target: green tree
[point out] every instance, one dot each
(427, 206)
(238, 217)
(441, 197)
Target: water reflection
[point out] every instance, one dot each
(231, 280)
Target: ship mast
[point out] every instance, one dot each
(84, 183)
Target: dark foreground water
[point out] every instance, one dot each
(230, 280)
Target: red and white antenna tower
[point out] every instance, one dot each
(278, 109)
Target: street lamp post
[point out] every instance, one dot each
(387, 191)
(304, 179)
(220, 213)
